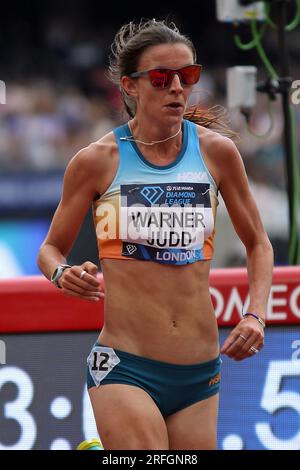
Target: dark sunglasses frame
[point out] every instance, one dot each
(169, 74)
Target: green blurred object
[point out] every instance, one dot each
(93, 444)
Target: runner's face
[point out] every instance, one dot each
(166, 104)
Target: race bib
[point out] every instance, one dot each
(101, 361)
(165, 216)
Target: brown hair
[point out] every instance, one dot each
(129, 44)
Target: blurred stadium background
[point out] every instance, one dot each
(54, 59)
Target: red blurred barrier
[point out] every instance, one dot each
(32, 304)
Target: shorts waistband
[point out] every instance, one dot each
(135, 358)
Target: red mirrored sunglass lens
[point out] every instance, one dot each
(188, 75)
(159, 78)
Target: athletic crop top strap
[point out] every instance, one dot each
(194, 143)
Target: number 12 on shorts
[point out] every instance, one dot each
(104, 357)
(101, 361)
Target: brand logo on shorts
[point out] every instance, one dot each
(214, 380)
(152, 193)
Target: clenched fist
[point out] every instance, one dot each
(82, 281)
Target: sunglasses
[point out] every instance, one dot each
(161, 78)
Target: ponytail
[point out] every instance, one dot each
(214, 118)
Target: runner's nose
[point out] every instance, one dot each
(176, 83)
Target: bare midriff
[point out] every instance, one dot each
(163, 312)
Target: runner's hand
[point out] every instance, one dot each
(82, 281)
(246, 335)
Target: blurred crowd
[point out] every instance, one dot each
(59, 97)
(44, 124)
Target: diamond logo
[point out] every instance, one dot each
(152, 193)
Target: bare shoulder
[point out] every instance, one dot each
(96, 154)
(216, 144)
(219, 152)
(94, 162)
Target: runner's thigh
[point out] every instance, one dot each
(128, 418)
(194, 427)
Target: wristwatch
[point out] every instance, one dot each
(58, 273)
